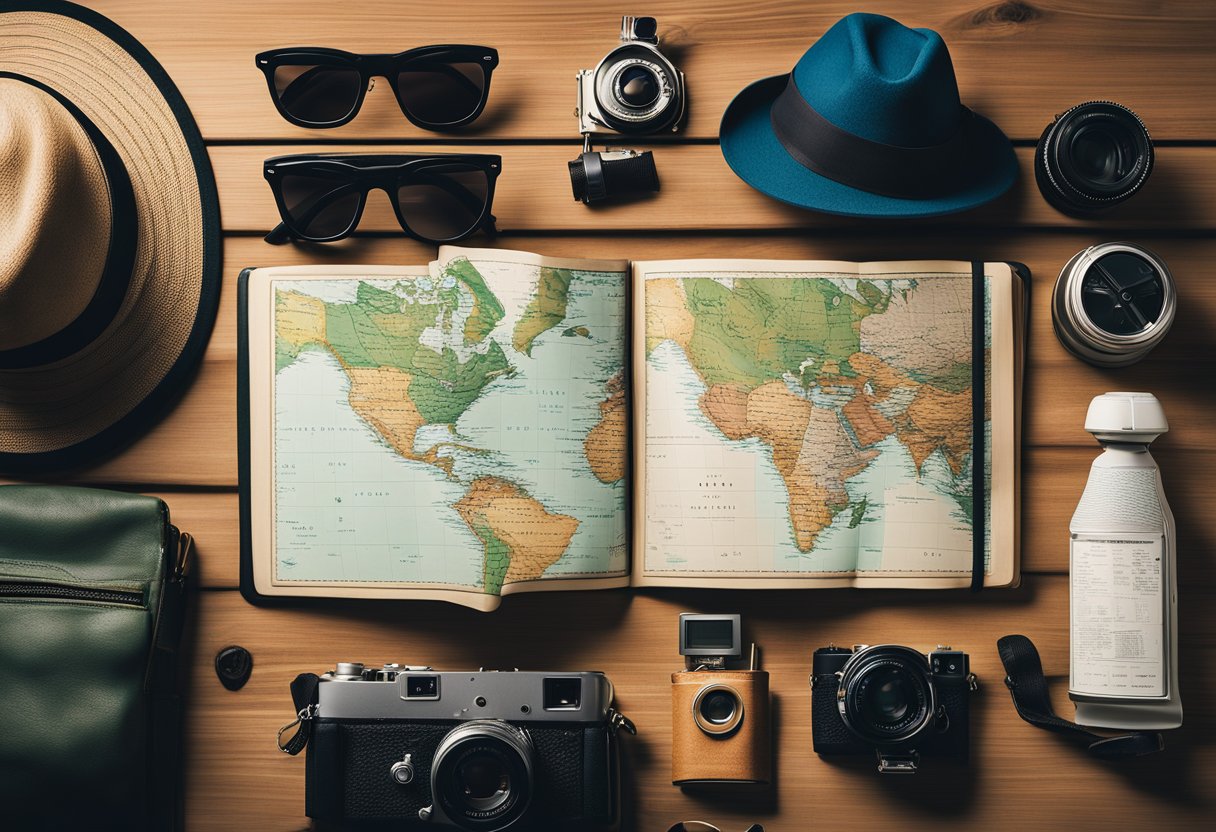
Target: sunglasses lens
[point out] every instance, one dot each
(318, 207)
(317, 95)
(441, 93)
(445, 201)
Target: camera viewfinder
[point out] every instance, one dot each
(562, 694)
(422, 687)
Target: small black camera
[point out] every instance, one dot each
(891, 701)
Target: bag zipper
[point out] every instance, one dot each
(125, 597)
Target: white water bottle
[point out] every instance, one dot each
(1123, 587)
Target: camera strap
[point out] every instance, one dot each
(1028, 686)
(304, 695)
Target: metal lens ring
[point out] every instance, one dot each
(886, 694)
(1094, 155)
(717, 709)
(1143, 306)
(610, 94)
(482, 774)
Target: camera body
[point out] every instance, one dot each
(893, 701)
(482, 750)
(634, 89)
(720, 726)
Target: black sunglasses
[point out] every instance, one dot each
(437, 87)
(702, 826)
(438, 198)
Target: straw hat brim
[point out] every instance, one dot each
(94, 402)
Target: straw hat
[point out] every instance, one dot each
(109, 237)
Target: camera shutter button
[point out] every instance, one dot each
(403, 772)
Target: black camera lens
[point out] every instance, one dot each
(595, 175)
(888, 696)
(637, 87)
(482, 774)
(718, 707)
(1093, 156)
(485, 782)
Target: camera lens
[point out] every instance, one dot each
(485, 781)
(482, 774)
(717, 709)
(637, 86)
(1093, 156)
(888, 696)
(637, 90)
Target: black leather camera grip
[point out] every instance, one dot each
(1028, 686)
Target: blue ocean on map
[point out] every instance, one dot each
(552, 402)
(349, 508)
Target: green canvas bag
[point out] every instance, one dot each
(91, 608)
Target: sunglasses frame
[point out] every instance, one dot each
(371, 66)
(369, 172)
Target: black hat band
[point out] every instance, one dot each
(903, 172)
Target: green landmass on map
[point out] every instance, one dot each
(411, 363)
(546, 310)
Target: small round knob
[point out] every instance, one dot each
(402, 772)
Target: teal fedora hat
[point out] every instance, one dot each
(868, 124)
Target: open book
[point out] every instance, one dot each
(502, 422)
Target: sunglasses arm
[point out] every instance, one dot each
(279, 235)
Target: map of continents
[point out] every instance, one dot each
(823, 382)
(488, 427)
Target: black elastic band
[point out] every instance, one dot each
(1028, 686)
(904, 172)
(120, 258)
(979, 468)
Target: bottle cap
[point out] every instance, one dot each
(1126, 417)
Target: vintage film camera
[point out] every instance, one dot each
(720, 730)
(482, 750)
(634, 90)
(893, 701)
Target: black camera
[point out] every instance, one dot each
(1092, 156)
(634, 90)
(893, 701)
(482, 750)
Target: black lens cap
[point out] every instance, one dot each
(233, 665)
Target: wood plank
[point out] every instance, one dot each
(195, 444)
(236, 772)
(1052, 481)
(533, 194)
(1017, 62)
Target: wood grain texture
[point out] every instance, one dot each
(533, 194)
(1018, 61)
(1019, 777)
(195, 444)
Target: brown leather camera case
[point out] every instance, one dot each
(741, 756)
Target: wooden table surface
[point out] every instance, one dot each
(1019, 63)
